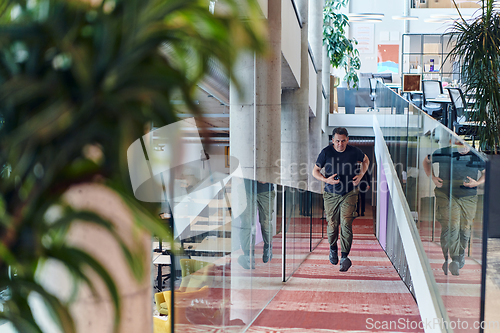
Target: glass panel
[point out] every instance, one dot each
(298, 228)
(317, 218)
(292, 203)
(226, 266)
(439, 174)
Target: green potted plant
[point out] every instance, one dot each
(477, 42)
(477, 48)
(79, 82)
(340, 49)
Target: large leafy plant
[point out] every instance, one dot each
(477, 46)
(79, 82)
(341, 50)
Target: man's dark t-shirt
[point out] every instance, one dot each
(345, 164)
(454, 169)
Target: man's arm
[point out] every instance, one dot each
(427, 164)
(364, 167)
(317, 174)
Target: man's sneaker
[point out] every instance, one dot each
(334, 255)
(345, 263)
(268, 253)
(445, 267)
(454, 267)
(244, 261)
(461, 260)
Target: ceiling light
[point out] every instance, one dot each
(435, 20)
(449, 16)
(364, 19)
(407, 18)
(370, 15)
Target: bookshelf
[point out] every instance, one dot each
(426, 54)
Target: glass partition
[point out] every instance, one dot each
(317, 219)
(234, 240)
(304, 226)
(441, 178)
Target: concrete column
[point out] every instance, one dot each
(268, 102)
(325, 78)
(255, 111)
(315, 133)
(94, 312)
(241, 116)
(295, 118)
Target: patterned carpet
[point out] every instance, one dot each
(320, 298)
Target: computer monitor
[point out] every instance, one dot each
(411, 83)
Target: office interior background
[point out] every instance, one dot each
(267, 125)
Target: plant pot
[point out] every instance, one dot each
(350, 101)
(492, 193)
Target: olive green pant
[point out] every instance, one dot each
(265, 206)
(455, 217)
(339, 210)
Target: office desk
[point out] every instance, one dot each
(161, 260)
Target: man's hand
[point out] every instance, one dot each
(437, 181)
(356, 179)
(471, 183)
(331, 180)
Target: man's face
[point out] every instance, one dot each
(340, 142)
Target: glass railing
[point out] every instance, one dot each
(304, 226)
(234, 240)
(436, 186)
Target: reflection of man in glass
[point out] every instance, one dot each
(261, 195)
(340, 197)
(364, 186)
(460, 172)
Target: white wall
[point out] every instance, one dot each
(382, 30)
(421, 26)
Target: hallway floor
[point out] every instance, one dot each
(319, 298)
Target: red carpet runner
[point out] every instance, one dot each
(370, 297)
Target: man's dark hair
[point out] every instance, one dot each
(340, 131)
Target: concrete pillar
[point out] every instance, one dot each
(295, 118)
(268, 102)
(241, 116)
(325, 78)
(315, 33)
(255, 111)
(94, 312)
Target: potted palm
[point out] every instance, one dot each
(79, 82)
(477, 47)
(340, 49)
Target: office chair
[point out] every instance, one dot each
(457, 104)
(431, 89)
(373, 93)
(460, 111)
